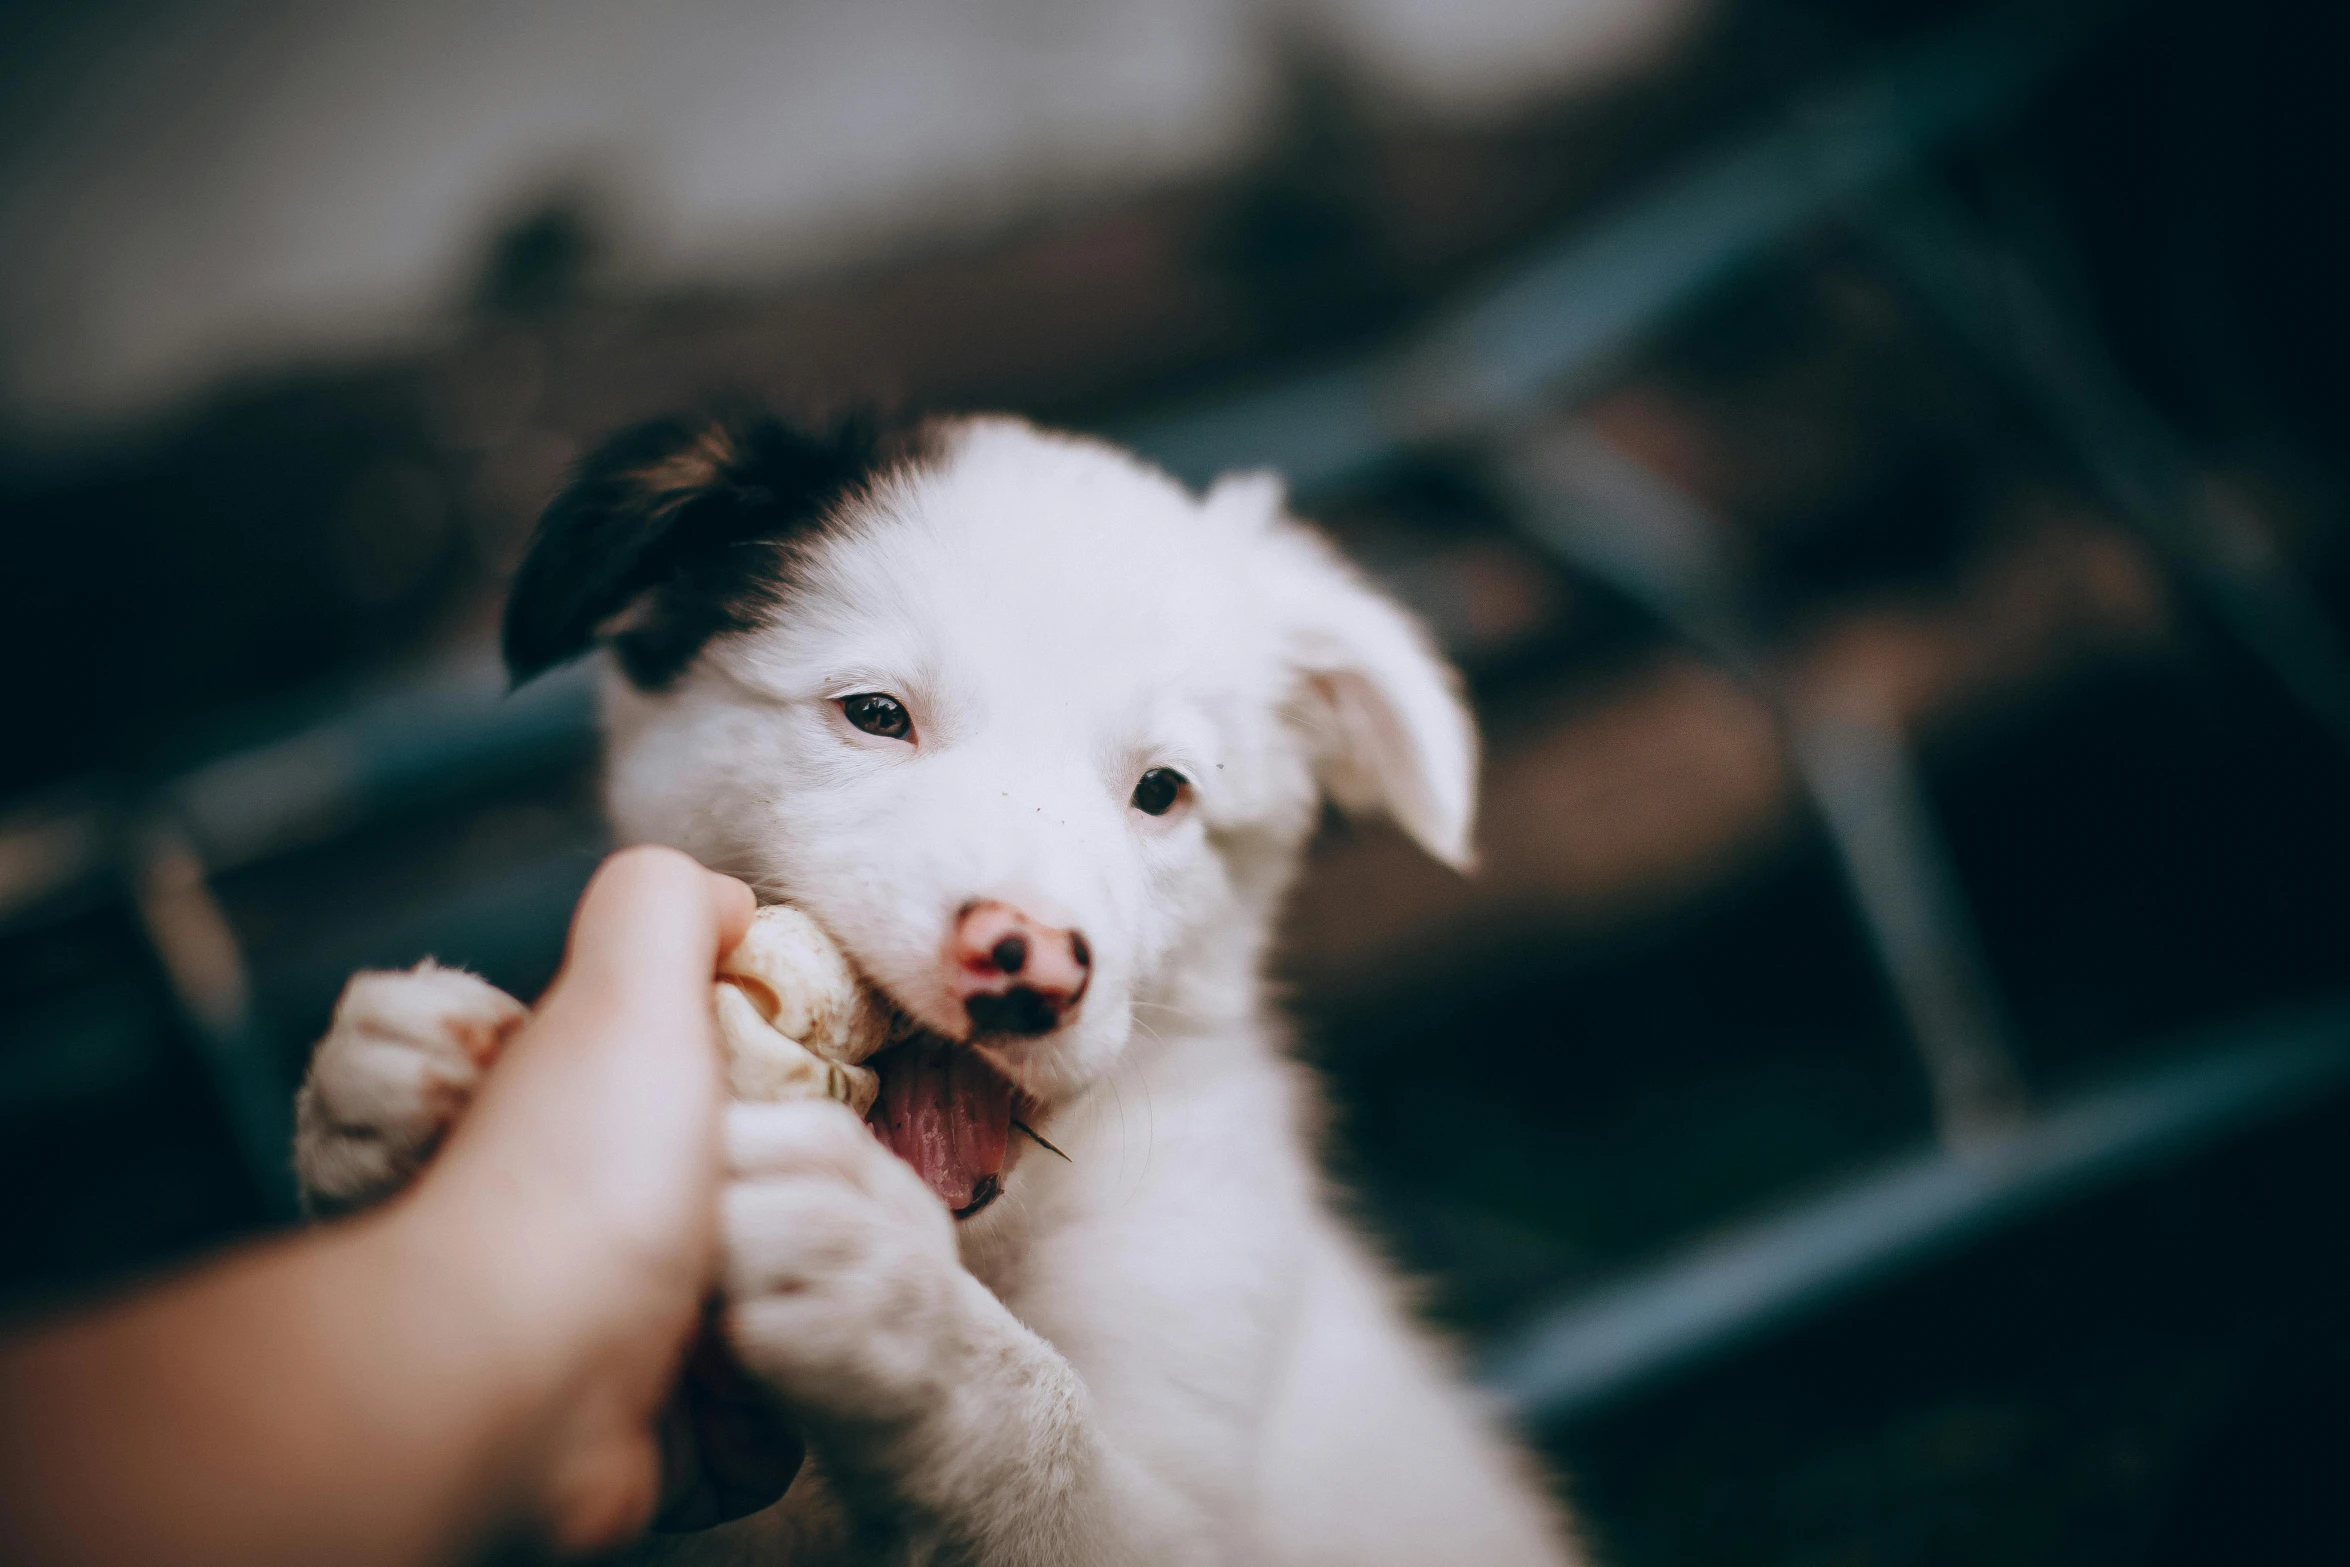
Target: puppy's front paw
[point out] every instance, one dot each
(397, 1067)
(842, 1281)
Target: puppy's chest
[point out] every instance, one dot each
(1043, 1271)
(999, 1250)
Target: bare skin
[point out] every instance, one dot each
(484, 1358)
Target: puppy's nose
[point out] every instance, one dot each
(1015, 975)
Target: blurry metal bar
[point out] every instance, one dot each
(509, 928)
(1860, 777)
(1567, 313)
(1588, 505)
(205, 965)
(451, 730)
(1593, 1352)
(511, 924)
(1577, 497)
(1995, 304)
(1554, 323)
(44, 850)
(457, 729)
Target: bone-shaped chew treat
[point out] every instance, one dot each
(792, 1017)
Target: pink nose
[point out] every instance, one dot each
(1014, 975)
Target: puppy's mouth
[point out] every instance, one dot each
(949, 1113)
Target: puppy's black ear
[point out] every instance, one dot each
(665, 537)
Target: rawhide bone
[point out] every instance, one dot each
(793, 1018)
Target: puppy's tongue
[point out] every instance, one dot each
(948, 1114)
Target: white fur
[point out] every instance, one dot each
(398, 1065)
(1165, 1349)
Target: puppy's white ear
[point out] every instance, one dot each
(1381, 707)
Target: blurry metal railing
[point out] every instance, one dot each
(448, 735)
(450, 732)
(1996, 304)
(1590, 1353)
(1556, 322)
(1563, 317)
(1547, 330)
(1589, 505)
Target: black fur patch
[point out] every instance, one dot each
(672, 521)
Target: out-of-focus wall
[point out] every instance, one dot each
(188, 187)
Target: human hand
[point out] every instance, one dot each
(578, 1199)
(481, 1358)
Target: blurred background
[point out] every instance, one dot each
(1879, 463)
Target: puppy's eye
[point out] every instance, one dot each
(1158, 791)
(878, 713)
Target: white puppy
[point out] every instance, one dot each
(1039, 737)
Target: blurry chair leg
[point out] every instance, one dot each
(1860, 778)
(1993, 302)
(206, 967)
(1590, 506)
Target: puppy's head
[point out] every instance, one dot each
(1033, 730)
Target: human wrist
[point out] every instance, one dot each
(478, 1320)
(571, 1343)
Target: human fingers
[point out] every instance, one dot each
(615, 1079)
(652, 926)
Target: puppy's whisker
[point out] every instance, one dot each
(1037, 1138)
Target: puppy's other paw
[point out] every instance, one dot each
(397, 1067)
(843, 1286)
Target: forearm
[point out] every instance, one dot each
(347, 1395)
(484, 1356)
